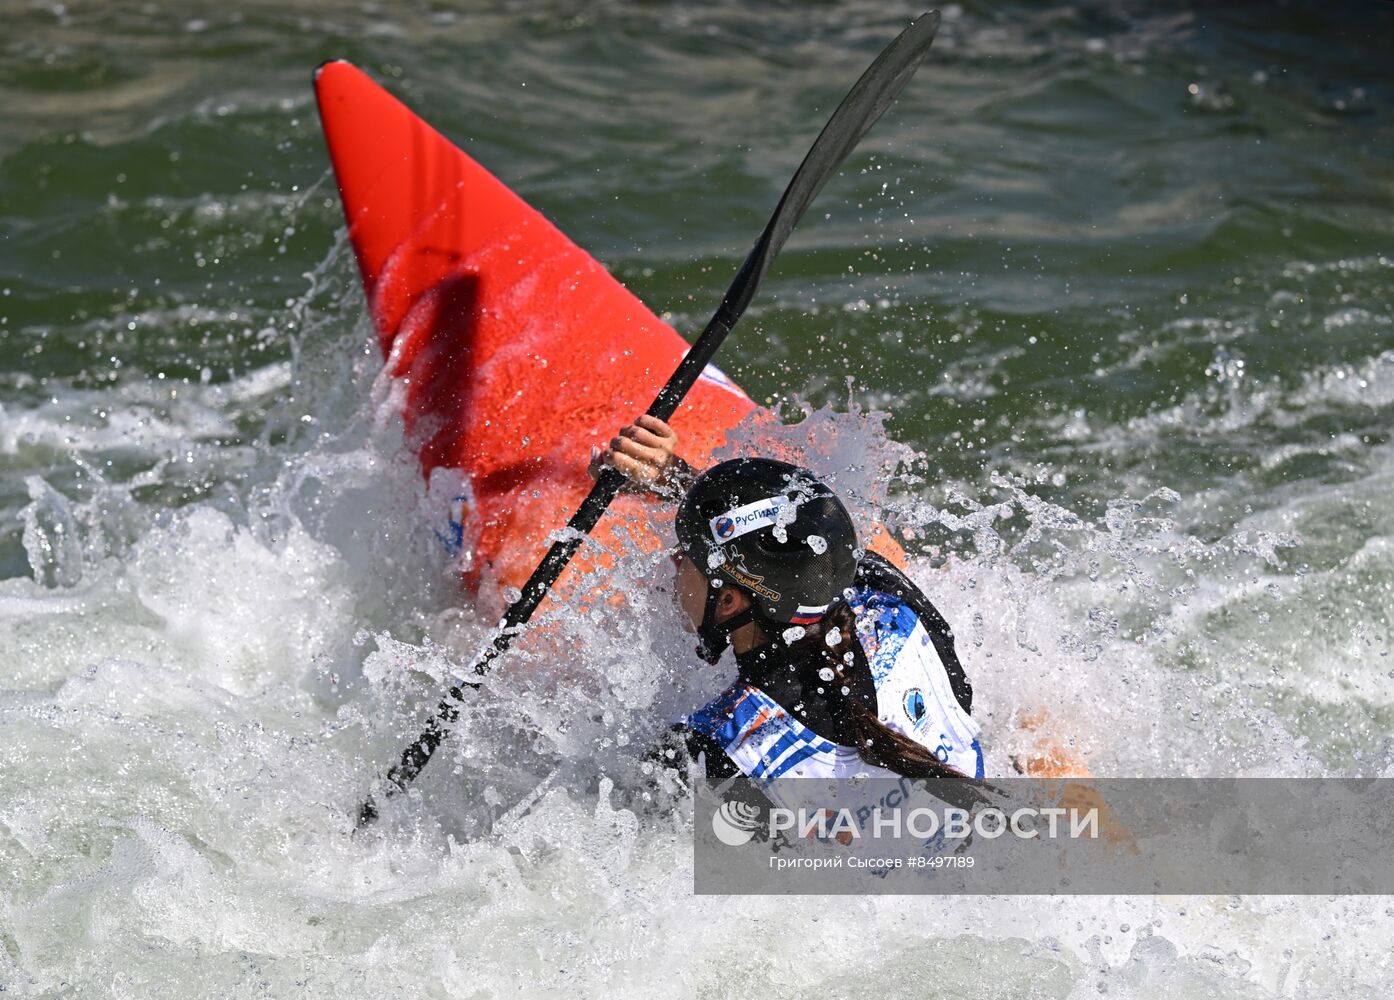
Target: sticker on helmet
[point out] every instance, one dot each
(751, 582)
(751, 517)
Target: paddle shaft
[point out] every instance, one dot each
(859, 110)
(593, 507)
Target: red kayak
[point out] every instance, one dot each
(518, 351)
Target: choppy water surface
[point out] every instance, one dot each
(1119, 275)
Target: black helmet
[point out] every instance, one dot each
(772, 530)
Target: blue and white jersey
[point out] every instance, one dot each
(914, 696)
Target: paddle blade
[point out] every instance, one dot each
(868, 99)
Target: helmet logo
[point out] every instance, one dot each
(750, 517)
(751, 582)
(807, 614)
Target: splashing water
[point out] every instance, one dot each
(210, 688)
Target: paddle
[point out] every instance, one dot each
(859, 110)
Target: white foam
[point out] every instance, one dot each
(189, 721)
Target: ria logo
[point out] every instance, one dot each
(734, 823)
(725, 527)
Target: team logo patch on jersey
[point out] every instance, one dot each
(914, 704)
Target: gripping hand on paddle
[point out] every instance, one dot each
(645, 451)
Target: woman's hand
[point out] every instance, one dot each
(645, 452)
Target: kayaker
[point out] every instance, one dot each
(844, 667)
(843, 664)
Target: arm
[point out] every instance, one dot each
(646, 452)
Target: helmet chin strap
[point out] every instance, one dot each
(713, 636)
